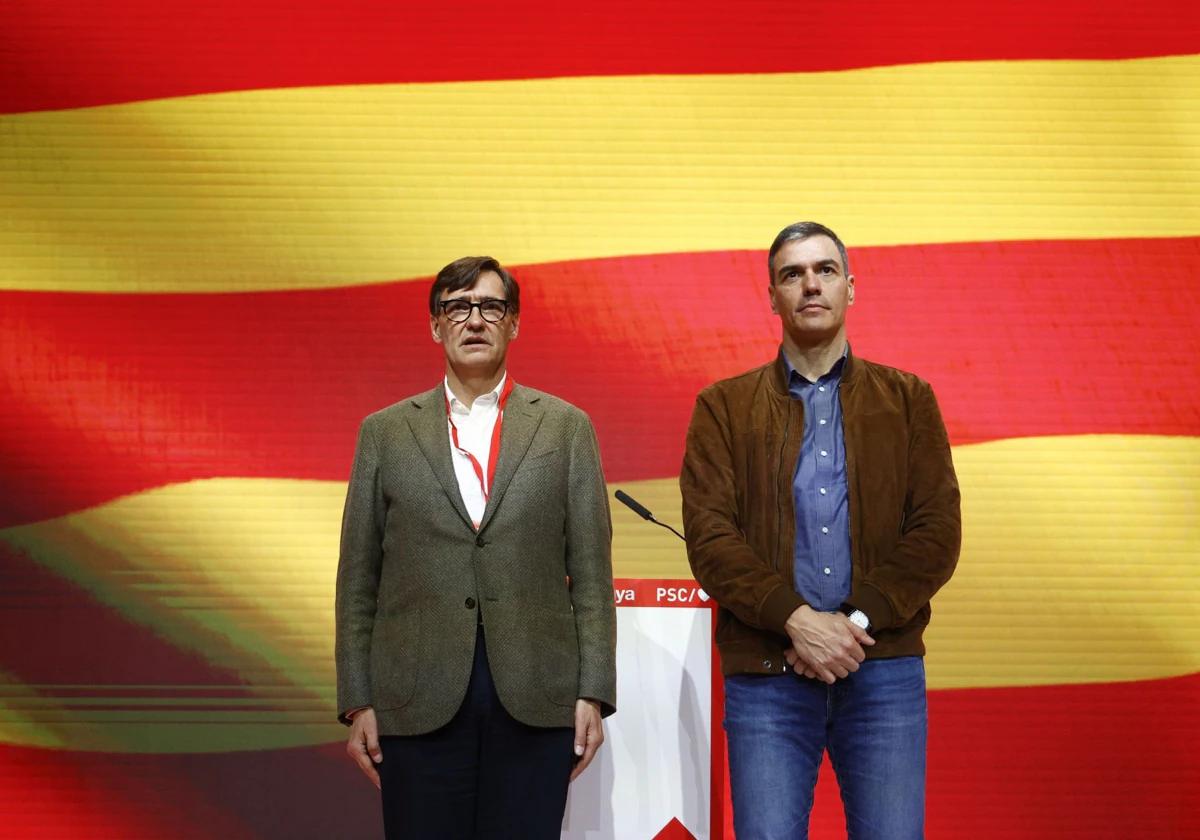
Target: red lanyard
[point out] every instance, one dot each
(494, 453)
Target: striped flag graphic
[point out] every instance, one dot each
(218, 225)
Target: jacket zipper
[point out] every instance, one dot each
(787, 424)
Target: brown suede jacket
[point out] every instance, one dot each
(739, 515)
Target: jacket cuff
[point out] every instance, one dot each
(602, 692)
(347, 710)
(348, 715)
(606, 707)
(778, 607)
(875, 604)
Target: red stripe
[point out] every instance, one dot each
(238, 796)
(48, 794)
(1102, 762)
(72, 53)
(103, 395)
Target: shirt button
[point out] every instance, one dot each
(822, 422)
(471, 602)
(821, 388)
(823, 453)
(822, 491)
(824, 530)
(827, 570)
(480, 542)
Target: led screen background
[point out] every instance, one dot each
(217, 228)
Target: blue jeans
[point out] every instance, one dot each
(873, 724)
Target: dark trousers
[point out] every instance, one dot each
(483, 776)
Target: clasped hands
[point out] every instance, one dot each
(825, 646)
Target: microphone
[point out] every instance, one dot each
(631, 503)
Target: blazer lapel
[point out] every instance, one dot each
(433, 436)
(521, 420)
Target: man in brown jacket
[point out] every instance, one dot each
(476, 628)
(822, 512)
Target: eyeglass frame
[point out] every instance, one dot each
(472, 307)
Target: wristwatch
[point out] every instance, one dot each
(856, 616)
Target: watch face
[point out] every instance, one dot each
(860, 618)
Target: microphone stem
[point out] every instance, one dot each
(668, 527)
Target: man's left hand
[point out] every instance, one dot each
(798, 664)
(589, 734)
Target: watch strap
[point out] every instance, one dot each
(847, 608)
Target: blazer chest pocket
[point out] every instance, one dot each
(540, 460)
(395, 647)
(540, 480)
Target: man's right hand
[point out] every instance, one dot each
(363, 745)
(827, 646)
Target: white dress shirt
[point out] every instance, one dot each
(475, 426)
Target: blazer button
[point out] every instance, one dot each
(480, 542)
(470, 603)
(766, 663)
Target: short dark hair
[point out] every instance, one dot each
(804, 230)
(464, 273)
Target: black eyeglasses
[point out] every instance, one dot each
(458, 310)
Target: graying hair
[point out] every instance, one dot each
(804, 230)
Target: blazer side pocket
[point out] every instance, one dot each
(559, 661)
(395, 645)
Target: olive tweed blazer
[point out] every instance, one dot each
(415, 578)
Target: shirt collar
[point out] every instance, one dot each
(491, 398)
(484, 401)
(794, 378)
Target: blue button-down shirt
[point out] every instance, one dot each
(822, 551)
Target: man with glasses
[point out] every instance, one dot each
(822, 513)
(476, 629)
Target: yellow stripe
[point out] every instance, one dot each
(215, 569)
(1079, 561)
(336, 186)
(1079, 565)
(20, 722)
